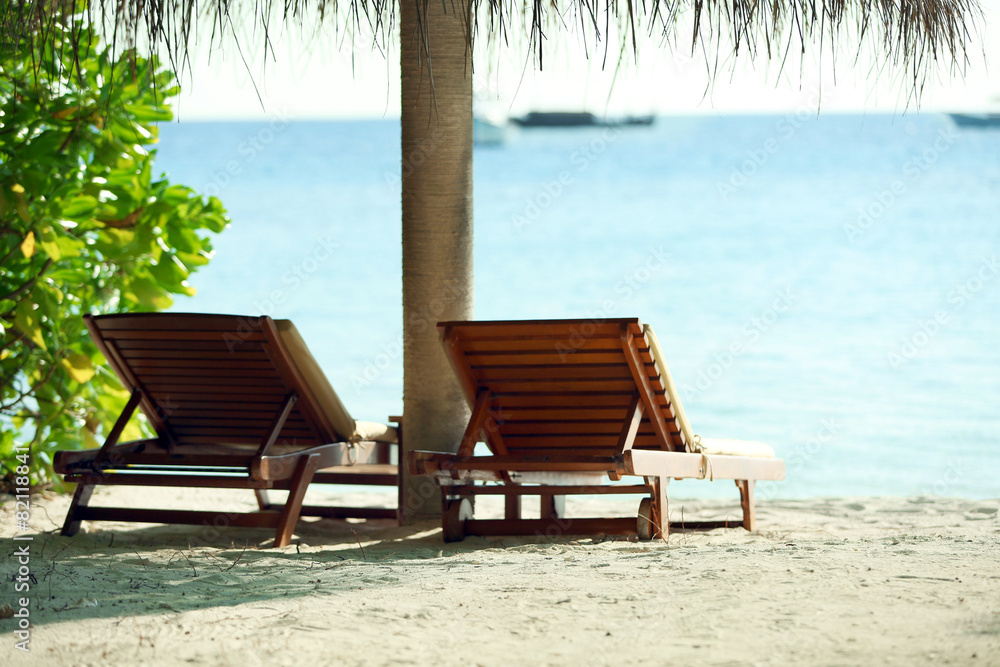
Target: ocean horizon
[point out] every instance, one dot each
(826, 284)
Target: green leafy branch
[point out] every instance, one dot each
(85, 227)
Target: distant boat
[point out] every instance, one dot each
(638, 120)
(576, 119)
(557, 119)
(976, 120)
(485, 133)
(489, 121)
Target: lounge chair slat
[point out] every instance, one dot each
(561, 414)
(191, 366)
(573, 440)
(555, 344)
(208, 410)
(252, 441)
(176, 388)
(546, 358)
(200, 375)
(540, 386)
(223, 420)
(204, 336)
(580, 330)
(221, 433)
(207, 322)
(169, 399)
(606, 451)
(165, 355)
(583, 373)
(220, 347)
(569, 399)
(520, 428)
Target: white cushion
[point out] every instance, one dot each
(556, 478)
(729, 447)
(374, 432)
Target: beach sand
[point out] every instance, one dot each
(861, 581)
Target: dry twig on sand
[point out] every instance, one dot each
(189, 562)
(358, 538)
(238, 557)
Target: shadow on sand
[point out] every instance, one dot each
(145, 570)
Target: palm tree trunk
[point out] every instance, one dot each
(436, 72)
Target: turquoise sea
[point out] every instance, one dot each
(829, 285)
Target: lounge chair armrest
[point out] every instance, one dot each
(425, 463)
(78, 460)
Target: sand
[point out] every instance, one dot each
(860, 581)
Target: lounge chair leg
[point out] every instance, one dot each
(644, 522)
(263, 502)
(746, 500)
(553, 507)
(661, 513)
(654, 517)
(512, 507)
(456, 513)
(80, 499)
(296, 494)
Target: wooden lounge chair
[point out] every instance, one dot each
(565, 406)
(236, 402)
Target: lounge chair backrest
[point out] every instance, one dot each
(562, 384)
(339, 419)
(673, 396)
(209, 379)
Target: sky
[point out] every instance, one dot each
(329, 76)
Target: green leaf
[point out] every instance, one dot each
(147, 292)
(69, 246)
(28, 245)
(28, 323)
(176, 195)
(80, 207)
(147, 113)
(193, 260)
(168, 272)
(72, 154)
(47, 240)
(79, 367)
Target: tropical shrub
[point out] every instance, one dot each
(85, 227)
